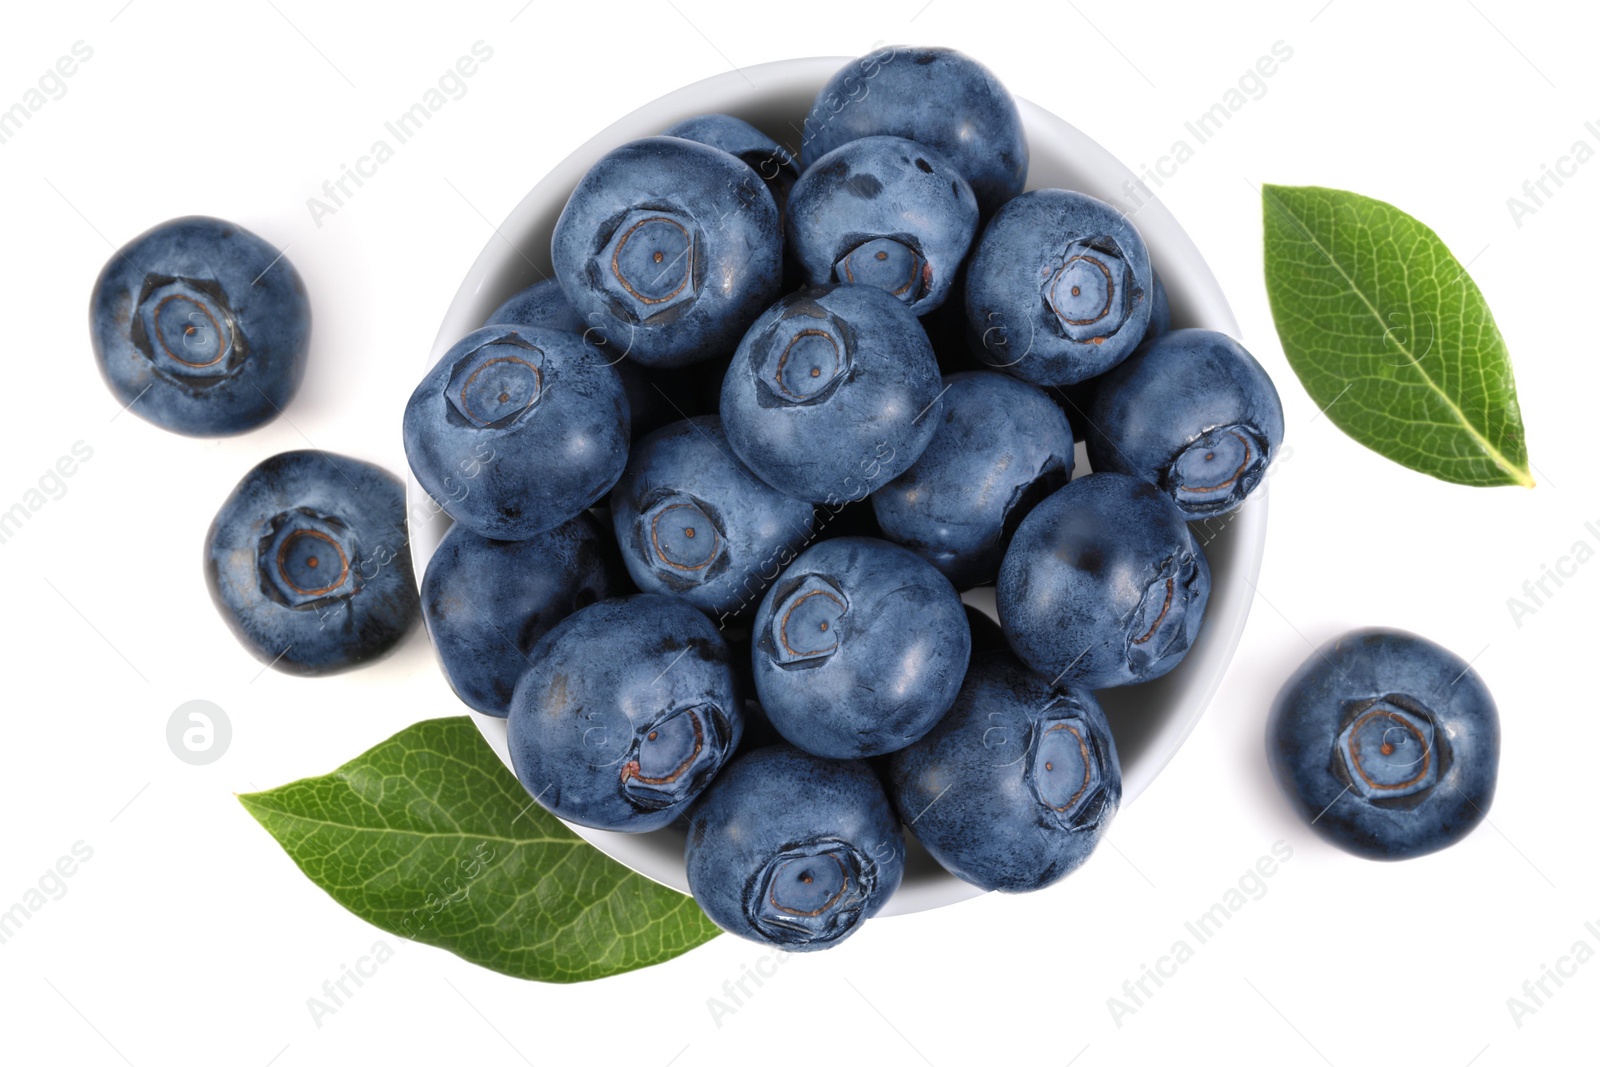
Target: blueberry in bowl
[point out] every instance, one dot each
(691, 520)
(1150, 720)
(792, 850)
(487, 602)
(1059, 288)
(517, 429)
(774, 164)
(201, 327)
(1001, 447)
(1386, 744)
(859, 647)
(1193, 412)
(1103, 584)
(628, 711)
(669, 249)
(886, 212)
(1015, 786)
(307, 562)
(541, 304)
(934, 96)
(833, 392)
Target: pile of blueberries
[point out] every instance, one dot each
(819, 400)
(718, 488)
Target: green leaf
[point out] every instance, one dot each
(1390, 336)
(430, 837)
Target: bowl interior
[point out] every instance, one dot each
(1149, 721)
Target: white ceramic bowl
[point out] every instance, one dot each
(1149, 721)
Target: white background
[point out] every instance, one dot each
(188, 937)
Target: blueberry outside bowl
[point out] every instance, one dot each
(1149, 721)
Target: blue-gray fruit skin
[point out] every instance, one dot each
(668, 249)
(858, 648)
(1103, 584)
(774, 164)
(541, 304)
(201, 327)
(833, 392)
(1386, 744)
(1193, 412)
(887, 212)
(1059, 288)
(308, 563)
(652, 402)
(1001, 447)
(934, 96)
(794, 851)
(630, 709)
(692, 520)
(487, 602)
(1160, 308)
(1016, 785)
(517, 429)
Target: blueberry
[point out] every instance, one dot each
(201, 327)
(887, 212)
(1103, 584)
(308, 563)
(934, 96)
(833, 392)
(651, 402)
(1015, 786)
(772, 162)
(487, 602)
(1192, 412)
(859, 648)
(1059, 288)
(1386, 744)
(517, 429)
(792, 850)
(669, 249)
(541, 304)
(1160, 308)
(629, 710)
(692, 520)
(1001, 447)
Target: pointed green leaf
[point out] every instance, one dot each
(430, 837)
(1391, 337)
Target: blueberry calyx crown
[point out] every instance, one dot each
(187, 330)
(650, 267)
(674, 757)
(1216, 470)
(1158, 627)
(1066, 766)
(496, 383)
(306, 560)
(893, 264)
(807, 623)
(1091, 293)
(1390, 752)
(685, 539)
(803, 356)
(811, 893)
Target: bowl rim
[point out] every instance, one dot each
(1196, 297)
